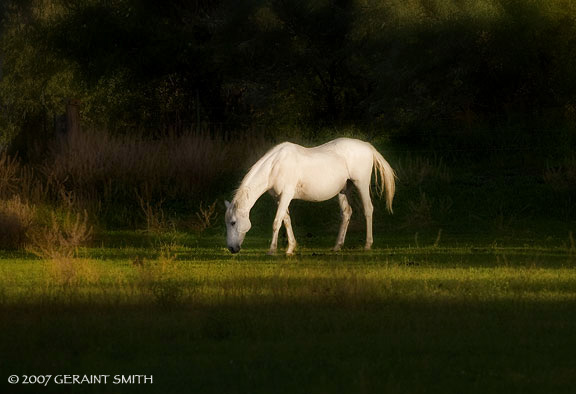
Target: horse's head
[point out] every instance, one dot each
(237, 225)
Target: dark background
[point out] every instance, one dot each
(421, 71)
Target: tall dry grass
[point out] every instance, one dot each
(416, 170)
(9, 175)
(113, 167)
(21, 180)
(129, 179)
(134, 180)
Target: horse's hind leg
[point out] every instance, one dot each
(364, 189)
(289, 233)
(346, 212)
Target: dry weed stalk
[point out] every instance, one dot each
(205, 217)
(154, 214)
(438, 237)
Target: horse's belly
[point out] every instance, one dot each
(322, 187)
(312, 177)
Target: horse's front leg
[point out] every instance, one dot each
(281, 213)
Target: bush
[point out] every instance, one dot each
(16, 220)
(60, 237)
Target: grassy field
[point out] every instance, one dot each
(457, 317)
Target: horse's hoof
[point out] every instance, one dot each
(271, 253)
(336, 248)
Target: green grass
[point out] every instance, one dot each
(465, 316)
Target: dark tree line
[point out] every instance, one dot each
(402, 68)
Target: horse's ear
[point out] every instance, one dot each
(227, 203)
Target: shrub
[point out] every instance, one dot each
(16, 220)
(60, 237)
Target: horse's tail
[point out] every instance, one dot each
(385, 178)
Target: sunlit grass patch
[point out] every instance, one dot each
(177, 274)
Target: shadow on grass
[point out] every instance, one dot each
(442, 346)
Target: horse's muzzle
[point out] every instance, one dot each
(234, 249)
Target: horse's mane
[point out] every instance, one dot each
(242, 193)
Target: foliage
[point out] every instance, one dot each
(414, 69)
(34, 81)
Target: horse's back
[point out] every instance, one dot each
(338, 154)
(357, 154)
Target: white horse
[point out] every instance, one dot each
(289, 171)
